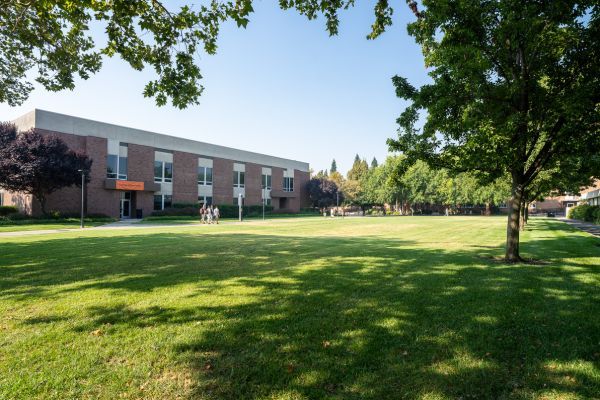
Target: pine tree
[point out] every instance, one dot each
(374, 163)
(333, 166)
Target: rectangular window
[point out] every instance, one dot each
(267, 202)
(167, 200)
(158, 171)
(168, 172)
(238, 179)
(235, 201)
(157, 202)
(163, 171)
(208, 180)
(112, 166)
(205, 176)
(123, 168)
(205, 200)
(288, 184)
(116, 164)
(266, 181)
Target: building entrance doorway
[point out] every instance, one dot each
(125, 208)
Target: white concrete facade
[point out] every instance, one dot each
(52, 121)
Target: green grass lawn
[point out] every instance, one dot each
(311, 308)
(37, 224)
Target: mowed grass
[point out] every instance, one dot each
(36, 225)
(311, 308)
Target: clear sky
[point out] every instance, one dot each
(282, 87)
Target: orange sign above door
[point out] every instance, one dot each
(129, 185)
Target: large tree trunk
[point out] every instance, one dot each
(488, 211)
(522, 217)
(512, 229)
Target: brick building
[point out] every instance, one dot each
(136, 172)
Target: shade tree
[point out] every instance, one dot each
(514, 91)
(38, 164)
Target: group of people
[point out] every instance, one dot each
(209, 215)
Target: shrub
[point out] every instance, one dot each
(225, 210)
(6, 210)
(585, 212)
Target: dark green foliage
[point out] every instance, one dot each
(50, 41)
(333, 166)
(6, 210)
(515, 92)
(323, 192)
(225, 210)
(586, 212)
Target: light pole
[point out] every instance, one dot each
(82, 193)
(240, 206)
(264, 198)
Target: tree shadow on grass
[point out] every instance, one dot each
(344, 318)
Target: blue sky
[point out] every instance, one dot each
(282, 87)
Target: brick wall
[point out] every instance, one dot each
(222, 181)
(253, 186)
(301, 179)
(276, 184)
(185, 177)
(140, 167)
(99, 200)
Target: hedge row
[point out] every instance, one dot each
(225, 210)
(7, 210)
(585, 212)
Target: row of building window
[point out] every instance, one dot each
(162, 201)
(116, 168)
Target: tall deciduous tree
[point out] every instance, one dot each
(515, 91)
(38, 164)
(323, 192)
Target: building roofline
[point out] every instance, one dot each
(64, 123)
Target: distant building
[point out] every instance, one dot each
(136, 172)
(559, 204)
(556, 204)
(591, 195)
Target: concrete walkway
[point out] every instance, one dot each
(123, 224)
(592, 229)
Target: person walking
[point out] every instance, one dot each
(203, 213)
(216, 214)
(209, 214)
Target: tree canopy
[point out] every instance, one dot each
(38, 164)
(515, 92)
(50, 41)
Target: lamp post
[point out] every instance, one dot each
(240, 206)
(82, 193)
(264, 199)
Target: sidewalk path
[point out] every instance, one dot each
(125, 224)
(592, 229)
